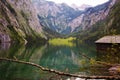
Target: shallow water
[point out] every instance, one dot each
(72, 59)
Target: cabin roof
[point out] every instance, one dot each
(109, 39)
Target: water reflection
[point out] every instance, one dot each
(63, 58)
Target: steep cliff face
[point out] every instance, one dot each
(18, 21)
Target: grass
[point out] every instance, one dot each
(62, 41)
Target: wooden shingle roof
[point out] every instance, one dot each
(109, 39)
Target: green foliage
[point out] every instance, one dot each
(1, 15)
(93, 33)
(114, 16)
(15, 35)
(62, 41)
(92, 61)
(35, 39)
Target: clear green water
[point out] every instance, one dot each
(64, 58)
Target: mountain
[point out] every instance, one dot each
(19, 22)
(94, 14)
(55, 16)
(107, 26)
(23, 20)
(64, 19)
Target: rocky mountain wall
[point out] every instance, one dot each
(19, 21)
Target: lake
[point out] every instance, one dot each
(66, 58)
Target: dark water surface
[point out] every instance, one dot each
(72, 59)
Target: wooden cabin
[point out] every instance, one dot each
(108, 49)
(107, 43)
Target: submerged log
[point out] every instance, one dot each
(59, 72)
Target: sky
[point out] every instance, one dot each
(80, 2)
